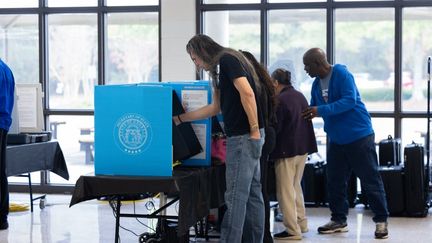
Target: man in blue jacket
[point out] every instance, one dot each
(348, 125)
(7, 85)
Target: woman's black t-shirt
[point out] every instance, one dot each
(234, 116)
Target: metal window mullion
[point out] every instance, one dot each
(101, 27)
(264, 33)
(43, 73)
(398, 114)
(160, 41)
(199, 19)
(330, 36)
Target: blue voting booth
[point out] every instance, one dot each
(133, 130)
(133, 127)
(195, 94)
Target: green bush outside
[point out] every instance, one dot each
(384, 94)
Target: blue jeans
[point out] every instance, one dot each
(245, 207)
(359, 157)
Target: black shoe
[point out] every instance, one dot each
(381, 231)
(284, 235)
(333, 227)
(4, 225)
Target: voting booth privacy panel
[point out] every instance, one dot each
(134, 130)
(194, 95)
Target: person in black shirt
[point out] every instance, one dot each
(235, 94)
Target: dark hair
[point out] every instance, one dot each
(210, 52)
(204, 47)
(266, 82)
(282, 76)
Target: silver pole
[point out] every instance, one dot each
(428, 128)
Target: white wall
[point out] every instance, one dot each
(178, 25)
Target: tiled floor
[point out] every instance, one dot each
(93, 221)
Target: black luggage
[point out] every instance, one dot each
(271, 181)
(392, 178)
(389, 151)
(313, 182)
(352, 191)
(416, 198)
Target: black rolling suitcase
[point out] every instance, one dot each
(352, 192)
(416, 198)
(392, 178)
(313, 182)
(389, 151)
(271, 181)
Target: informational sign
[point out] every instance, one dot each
(28, 111)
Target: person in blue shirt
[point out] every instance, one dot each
(335, 97)
(7, 86)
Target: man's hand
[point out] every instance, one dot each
(255, 134)
(310, 113)
(176, 120)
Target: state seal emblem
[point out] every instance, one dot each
(133, 133)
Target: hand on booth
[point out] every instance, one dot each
(177, 120)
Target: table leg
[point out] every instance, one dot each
(117, 237)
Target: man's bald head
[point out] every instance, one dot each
(316, 55)
(315, 61)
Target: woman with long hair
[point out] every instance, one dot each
(235, 94)
(267, 101)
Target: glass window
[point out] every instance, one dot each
(74, 3)
(73, 60)
(291, 34)
(18, 3)
(416, 47)
(133, 48)
(235, 29)
(383, 127)
(295, 1)
(321, 136)
(414, 130)
(359, 0)
(230, 1)
(75, 136)
(364, 41)
(19, 46)
(131, 2)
